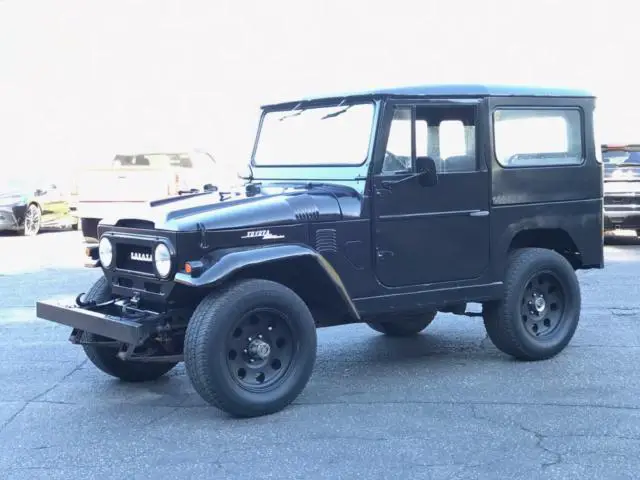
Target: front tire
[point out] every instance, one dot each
(404, 327)
(105, 359)
(250, 349)
(540, 310)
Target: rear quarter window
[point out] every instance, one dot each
(538, 137)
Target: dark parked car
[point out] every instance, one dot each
(381, 208)
(27, 208)
(621, 187)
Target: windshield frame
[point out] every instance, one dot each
(339, 103)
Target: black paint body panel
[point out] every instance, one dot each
(386, 246)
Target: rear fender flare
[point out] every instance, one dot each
(223, 264)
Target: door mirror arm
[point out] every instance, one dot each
(426, 174)
(389, 183)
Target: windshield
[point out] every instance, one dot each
(15, 183)
(315, 136)
(613, 158)
(152, 160)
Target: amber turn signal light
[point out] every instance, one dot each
(193, 268)
(91, 252)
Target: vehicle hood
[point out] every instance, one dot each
(273, 205)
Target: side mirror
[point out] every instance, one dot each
(426, 171)
(210, 188)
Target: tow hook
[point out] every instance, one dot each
(82, 304)
(92, 304)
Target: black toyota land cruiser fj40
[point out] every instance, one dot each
(383, 207)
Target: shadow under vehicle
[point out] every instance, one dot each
(621, 187)
(383, 207)
(27, 207)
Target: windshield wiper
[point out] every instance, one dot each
(292, 113)
(335, 114)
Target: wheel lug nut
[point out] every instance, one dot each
(270, 328)
(259, 336)
(249, 339)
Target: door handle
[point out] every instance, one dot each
(479, 213)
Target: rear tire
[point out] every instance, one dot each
(540, 310)
(250, 348)
(404, 327)
(105, 359)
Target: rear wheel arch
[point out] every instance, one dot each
(556, 239)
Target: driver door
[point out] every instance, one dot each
(431, 234)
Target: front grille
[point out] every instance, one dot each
(621, 200)
(131, 257)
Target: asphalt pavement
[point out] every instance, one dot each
(443, 405)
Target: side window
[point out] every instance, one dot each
(398, 152)
(457, 147)
(537, 137)
(180, 160)
(397, 156)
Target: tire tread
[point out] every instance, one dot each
(500, 329)
(204, 321)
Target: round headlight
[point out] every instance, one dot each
(105, 251)
(162, 259)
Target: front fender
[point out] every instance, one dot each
(223, 264)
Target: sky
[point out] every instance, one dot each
(81, 80)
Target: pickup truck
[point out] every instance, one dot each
(621, 187)
(134, 179)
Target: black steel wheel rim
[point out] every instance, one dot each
(260, 349)
(543, 305)
(32, 220)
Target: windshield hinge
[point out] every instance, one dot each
(203, 236)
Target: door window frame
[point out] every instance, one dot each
(388, 109)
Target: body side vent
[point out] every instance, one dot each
(326, 240)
